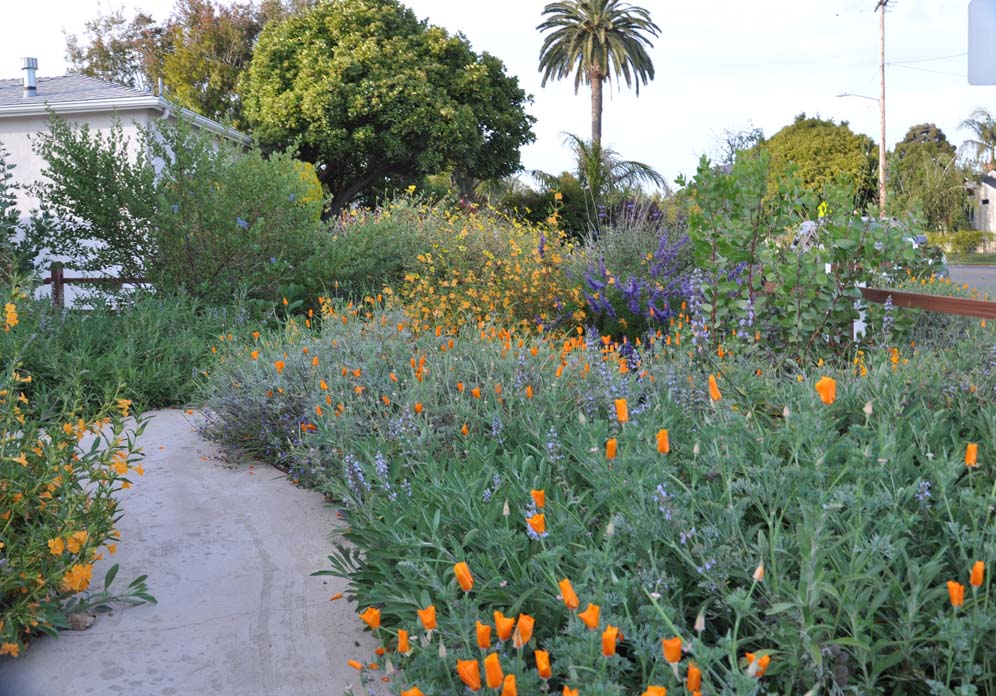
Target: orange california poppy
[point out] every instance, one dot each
(539, 497)
(655, 691)
(414, 691)
(529, 391)
(663, 441)
(537, 523)
(826, 387)
(469, 672)
(693, 681)
(760, 668)
(355, 664)
(371, 617)
(590, 616)
(476, 391)
(611, 446)
(672, 649)
(622, 410)
(714, 389)
(523, 630)
(972, 454)
(956, 593)
(492, 671)
(483, 636)
(463, 576)
(279, 364)
(508, 687)
(504, 625)
(543, 664)
(427, 617)
(568, 691)
(978, 574)
(404, 646)
(418, 407)
(610, 636)
(567, 591)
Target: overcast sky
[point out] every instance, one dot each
(721, 64)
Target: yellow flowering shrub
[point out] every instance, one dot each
(478, 265)
(57, 500)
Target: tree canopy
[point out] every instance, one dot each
(374, 98)
(924, 177)
(199, 51)
(825, 153)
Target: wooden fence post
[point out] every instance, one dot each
(58, 288)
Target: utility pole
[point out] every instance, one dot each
(881, 7)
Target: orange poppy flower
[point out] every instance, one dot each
(404, 646)
(568, 691)
(523, 630)
(590, 616)
(460, 387)
(483, 636)
(469, 672)
(956, 593)
(465, 429)
(611, 447)
(498, 389)
(427, 617)
(418, 407)
(355, 664)
(279, 364)
(476, 391)
(492, 671)
(714, 389)
(508, 687)
(463, 576)
(622, 410)
(972, 454)
(504, 625)
(760, 668)
(567, 591)
(539, 497)
(672, 649)
(537, 523)
(663, 442)
(826, 387)
(529, 391)
(414, 691)
(543, 664)
(978, 574)
(610, 636)
(371, 617)
(693, 681)
(655, 691)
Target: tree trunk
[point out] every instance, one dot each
(596, 105)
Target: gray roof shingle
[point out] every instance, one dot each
(66, 88)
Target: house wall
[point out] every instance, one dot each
(16, 133)
(985, 213)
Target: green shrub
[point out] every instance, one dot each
(152, 351)
(57, 498)
(860, 510)
(187, 211)
(961, 242)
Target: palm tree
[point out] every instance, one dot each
(983, 125)
(597, 40)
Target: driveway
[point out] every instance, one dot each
(228, 550)
(981, 277)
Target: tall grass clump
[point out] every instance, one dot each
(641, 518)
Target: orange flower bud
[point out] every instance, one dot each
(956, 593)
(427, 617)
(714, 389)
(826, 387)
(972, 454)
(622, 410)
(470, 674)
(403, 645)
(610, 636)
(504, 625)
(523, 630)
(611, 446)
(492, 671)
(693, 681)
(590, 616)
(978, 574)
(483, 636)
(355, 664)
(663, 442)
(463, 576)
(570, 598)
(672, 649)
(543, 664)
(508, 687)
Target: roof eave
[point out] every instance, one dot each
(39, 107)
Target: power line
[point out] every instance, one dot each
(928, 60)
(927, 70)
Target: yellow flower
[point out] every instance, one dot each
(76, 541)
(78, 578)
(56, 546)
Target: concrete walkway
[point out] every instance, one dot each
(228, 551)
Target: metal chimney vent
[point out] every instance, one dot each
(30, 67)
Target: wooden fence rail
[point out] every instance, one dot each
(59, 281)
(932, 303)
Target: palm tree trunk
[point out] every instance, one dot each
(596, 105)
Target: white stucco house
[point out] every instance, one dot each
(984, 212)
(24, 110)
